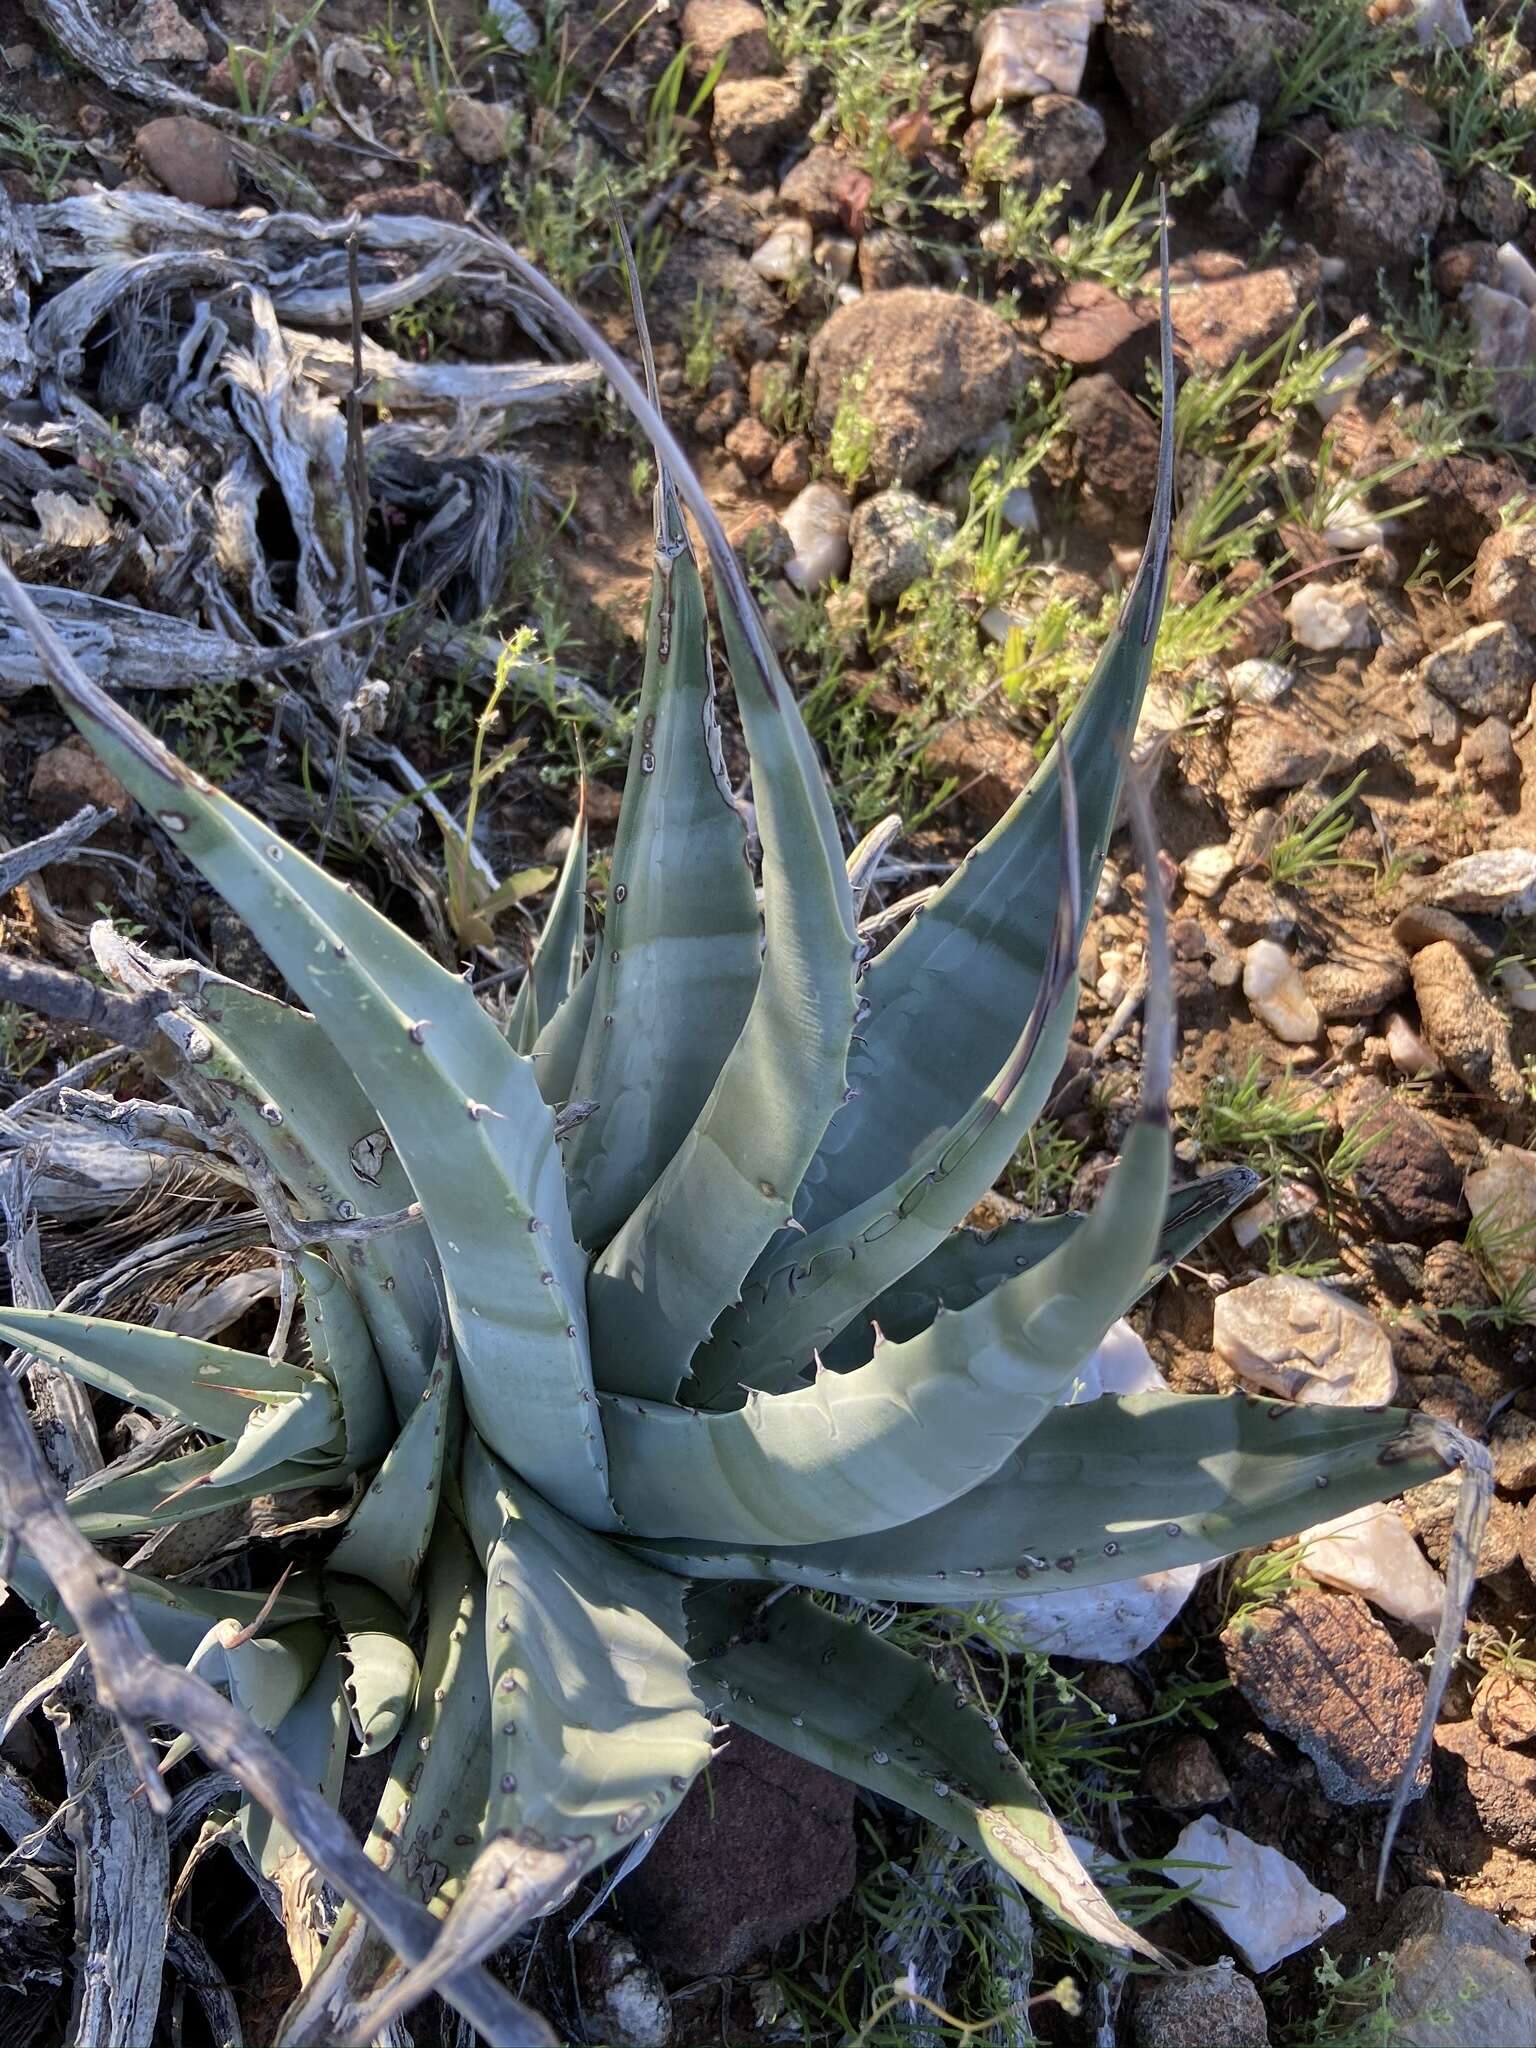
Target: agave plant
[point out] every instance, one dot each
(637, 1326)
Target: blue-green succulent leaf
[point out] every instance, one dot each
(829, 1690)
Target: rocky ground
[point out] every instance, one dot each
(901, 265)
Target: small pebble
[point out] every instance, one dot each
(1277, 995)
(1328, 617)
(786, 254)
(817, 524)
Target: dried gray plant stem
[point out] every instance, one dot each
(140, 1689)
(122, 1874)
(129, 1020)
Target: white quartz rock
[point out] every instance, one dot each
(1033, 49)
(786, 253)
(1328, 617)
(1372, 1552)
(1264, 1904)
(1408, 1048)
(817, 524)
(1121, 1365)
(1517, 276)
(1499, 882)
(1340, 381)
(1100, 1624)
(1208, 870)
(1260, 682)
(1305, 1342)
(1277, 995)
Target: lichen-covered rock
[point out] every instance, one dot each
(1320, 1670)
(752, 117)
(1464, 1025)
(896, 539)
(1501, 1783)
(1213, 2008)
(1460, 1977)
(1115, 441)
(1487, 671)
(1374, 195)
(1500, 882)
(1175, 57)
(937, 370)
(736, 27)
(1406, 1181)
(1504, 578)
(1053, 139)
(1184, 1775)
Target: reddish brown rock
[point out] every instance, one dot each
(987, 759)
(762, 1848)
(1322, 1671)
(430, 198)
(1116, 443)
(1184, 1775)
(1500, 1782)
(736, 27)
(1093, 328)
(192, 160)
(68, 777)
(1222, 309)
(1504, 1709)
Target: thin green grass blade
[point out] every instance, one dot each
(679, 959)
(557, 961)
(432, 1062)
(828, 1690)
(969, 1264)
(921, 1424)
(1110, 1490)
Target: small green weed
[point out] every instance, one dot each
(211, 727)
(851, 443)
(1043, 1170)
(1345, 67)
(1298, 856)
(1259, 1120)
(1114, 246)
(881, 86)
(44, 155)
(701, 341)
(1353, 2008)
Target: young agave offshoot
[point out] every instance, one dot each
(622, 1389)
